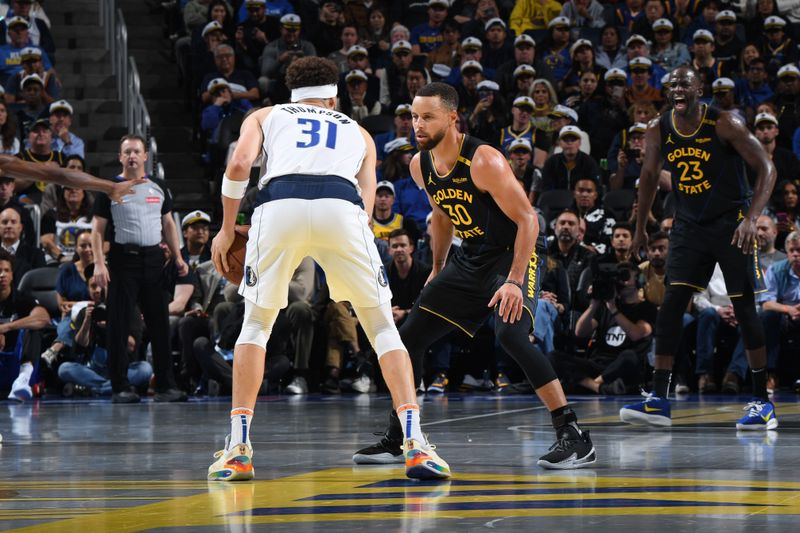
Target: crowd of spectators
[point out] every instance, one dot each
(563, 90)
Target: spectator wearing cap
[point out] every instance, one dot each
(279, 54)
(754, 23)
(38, 29)
(787, 101)
(393, 77)
(522, 127)
(358, 59)
(705, 20)
(472, 50)
(195, 227)
(611, 53)
(348, 38)
(561, 116)
(766, 131)
(727, 45)
(471, 76)
(703, 54)
(355, 101)
(31, 60)
(753, 89)
(222, 105)
(398, 157)
(451, 50)
(474, 25)
(508, 74)
(724, 96)
(384, 221)
(638, 46)
(64, 140)
(488, 116)
(256, 31)
(40, 150)
(325, 32)
(583, 13)
(640, 89)
(555, 48)
(242, 84)
(629, 159)
(533, 15)
(652, 11)
(777, 48)
(602, 118)
(10, 53)
(666, 52)
(33, 107)
(563, 170)
(520, 157)
(427, 37)
(273, 8)
(402, 128)
(582, 55)
(199, 60)
(496, 49)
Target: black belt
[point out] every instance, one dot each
(134, 249)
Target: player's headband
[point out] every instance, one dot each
(314, 92)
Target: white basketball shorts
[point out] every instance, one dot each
(335, 233)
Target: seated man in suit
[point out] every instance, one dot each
(26, 256)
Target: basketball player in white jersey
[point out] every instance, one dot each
(313, 201)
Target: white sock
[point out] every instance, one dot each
(408, 414)
(240, 426)
(26, 369)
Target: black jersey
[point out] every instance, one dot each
(478, 220)
(708, 175)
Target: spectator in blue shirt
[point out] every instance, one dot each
(11, 53)
(427, 37)
(222, 105)
(402, 128)
(31, 58)
(555, 48)
(272, 8)
(64, 141)
(753, 89)
(38, 31)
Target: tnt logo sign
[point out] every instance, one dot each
(615, 336)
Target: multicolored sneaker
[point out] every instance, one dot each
(422, 462)
(653, 411)
(439, 384)
(235, 464)
(760, 415)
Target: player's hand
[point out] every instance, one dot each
(509, 296)
(219, 249)
(183, 268)
(745, 236)
(638, 243)
(124, 188)
(101, 275)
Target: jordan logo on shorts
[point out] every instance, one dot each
(250, 277)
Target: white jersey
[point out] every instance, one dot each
(310, 140)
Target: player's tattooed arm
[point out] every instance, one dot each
(733, 130)
(442, 228)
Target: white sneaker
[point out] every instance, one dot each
(297, 386)
(421, 387)
(20, 389)
(362, 384)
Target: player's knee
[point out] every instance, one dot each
(257, 324)
(379, 326)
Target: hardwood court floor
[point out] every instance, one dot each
(90, 466)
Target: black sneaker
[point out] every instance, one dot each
(171, 395)
(388, 450)
(571, 450)
(125, 397)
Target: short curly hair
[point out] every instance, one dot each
(310, 72)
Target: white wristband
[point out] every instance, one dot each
(233, 188)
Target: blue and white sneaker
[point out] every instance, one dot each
(653, 411)
(760, 415)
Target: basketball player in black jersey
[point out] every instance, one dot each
(705, 149)
(475, 195)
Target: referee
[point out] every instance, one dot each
(135, 270)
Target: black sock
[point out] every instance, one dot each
(661, 379)
(760, 383)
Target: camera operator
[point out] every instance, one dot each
(620, 324)
(629, 160)
(88, 366)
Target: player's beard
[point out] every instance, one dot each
(433, 140)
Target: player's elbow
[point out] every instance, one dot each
(239, 166)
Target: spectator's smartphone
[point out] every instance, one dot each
(632, 153)
(783, 218)
(295, 47)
